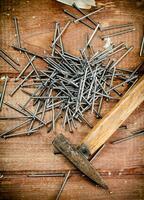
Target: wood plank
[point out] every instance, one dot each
(28, 154)
(37, 29)
(121, 165)
(77, 187)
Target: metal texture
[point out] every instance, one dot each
(63, 185)
(117, 33)
(3, 92)
(80, 161)
(142, 47)
(85, 16)
(8, 59)
(135, 134)
(75, 17)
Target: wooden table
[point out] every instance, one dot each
(121, 165)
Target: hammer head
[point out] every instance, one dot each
(78, 159)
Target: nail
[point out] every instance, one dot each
(19, 85)
(85, 120)
(132, 85)
(98, 152)
(64, 29)
(124, 69)
(26, 92)
(78, 9)
(13, 117)
(136, 134)
(117, 33)
(34, 116)
(75, 17)
(17, 31)
(18, 134)
(128, 80)
(63, 185)
(8, 60)
(91, 37)
(9, 57)
(16, 109)
(15, 128)
(116, 26)
(33, 120)
(137, 69)
(69, 122)
(47, 175)
(118, 50)
(55, 34)
(41, 125)
(129, 49)
(81, 18)
(53, 117)
(31, 63)
(27, 51)
(3, 92)
(71, 118)
(101, 101)
(112, 78)
(60, 40)
(46, 103)
(142, 48)
(65, 118)
(25, 68)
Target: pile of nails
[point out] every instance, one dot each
(70, 85)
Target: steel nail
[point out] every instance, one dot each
(142, 47)
(8, 60)
(62, 187)
(78, 9)
(117, 33)
(75, 17)
(19, 85)
(3, 92)
(91, 37)
(139, 133)
(17, 31)
(64, 29)
(47, 175)
(85, 16)
(116, 26)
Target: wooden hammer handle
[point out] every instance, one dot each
(111, 122)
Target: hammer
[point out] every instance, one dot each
(101, 132)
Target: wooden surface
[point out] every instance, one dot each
(121, 165)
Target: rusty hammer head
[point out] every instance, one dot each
(78, 156)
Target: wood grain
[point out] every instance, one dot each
(77, 187)
(120, 165)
